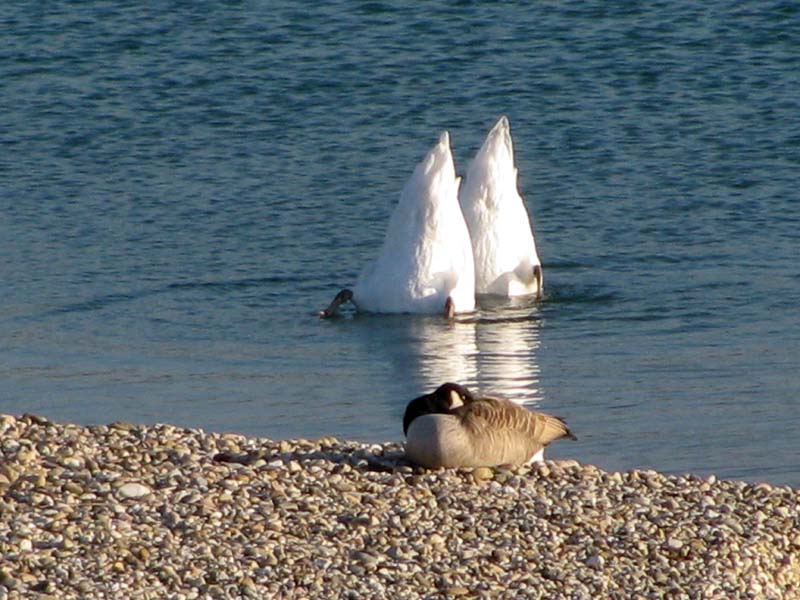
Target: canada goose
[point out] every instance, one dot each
(506, 262)
(425, 264)
(453, 428)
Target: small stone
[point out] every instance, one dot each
(247, 584)
(542, 469)
(595, 561)
(456, 590)
(369, 560)
(783, 511)
(122, 426)
(734, 525)
(9, 472)
(673, 544)
(35, 419)
(73, 488)
(351, 497)
(133, 490)
(482, 474)
(74, 462)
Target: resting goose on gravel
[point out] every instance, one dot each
(506, 262)
(425, 265)
(451, 427)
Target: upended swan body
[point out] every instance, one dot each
(451, 427)
(425, 264)
(506, 262)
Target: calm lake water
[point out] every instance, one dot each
(181, 189)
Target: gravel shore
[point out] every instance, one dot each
(128, 511)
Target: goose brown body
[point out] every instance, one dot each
(453, 428)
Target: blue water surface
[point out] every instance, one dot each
(183, 186)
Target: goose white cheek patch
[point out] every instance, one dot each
(455, 399)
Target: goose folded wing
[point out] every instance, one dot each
(505, 432)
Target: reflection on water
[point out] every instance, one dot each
(445, 352)
(492, 351)
(507, 364)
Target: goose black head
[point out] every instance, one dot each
(447, 397)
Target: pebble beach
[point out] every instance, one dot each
(132, 511)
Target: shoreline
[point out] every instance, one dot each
(160, 511)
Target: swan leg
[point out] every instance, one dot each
(449, 307)
(340, 298)
(539, 277)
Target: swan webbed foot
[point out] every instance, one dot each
(343, 296)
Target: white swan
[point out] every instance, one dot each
(425, 265)
(451, 427)
(506, 262)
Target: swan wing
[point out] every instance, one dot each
(426, 237)
(498, 222)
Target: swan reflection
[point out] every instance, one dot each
(507, 361)
(445, 352)
(494, 353)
